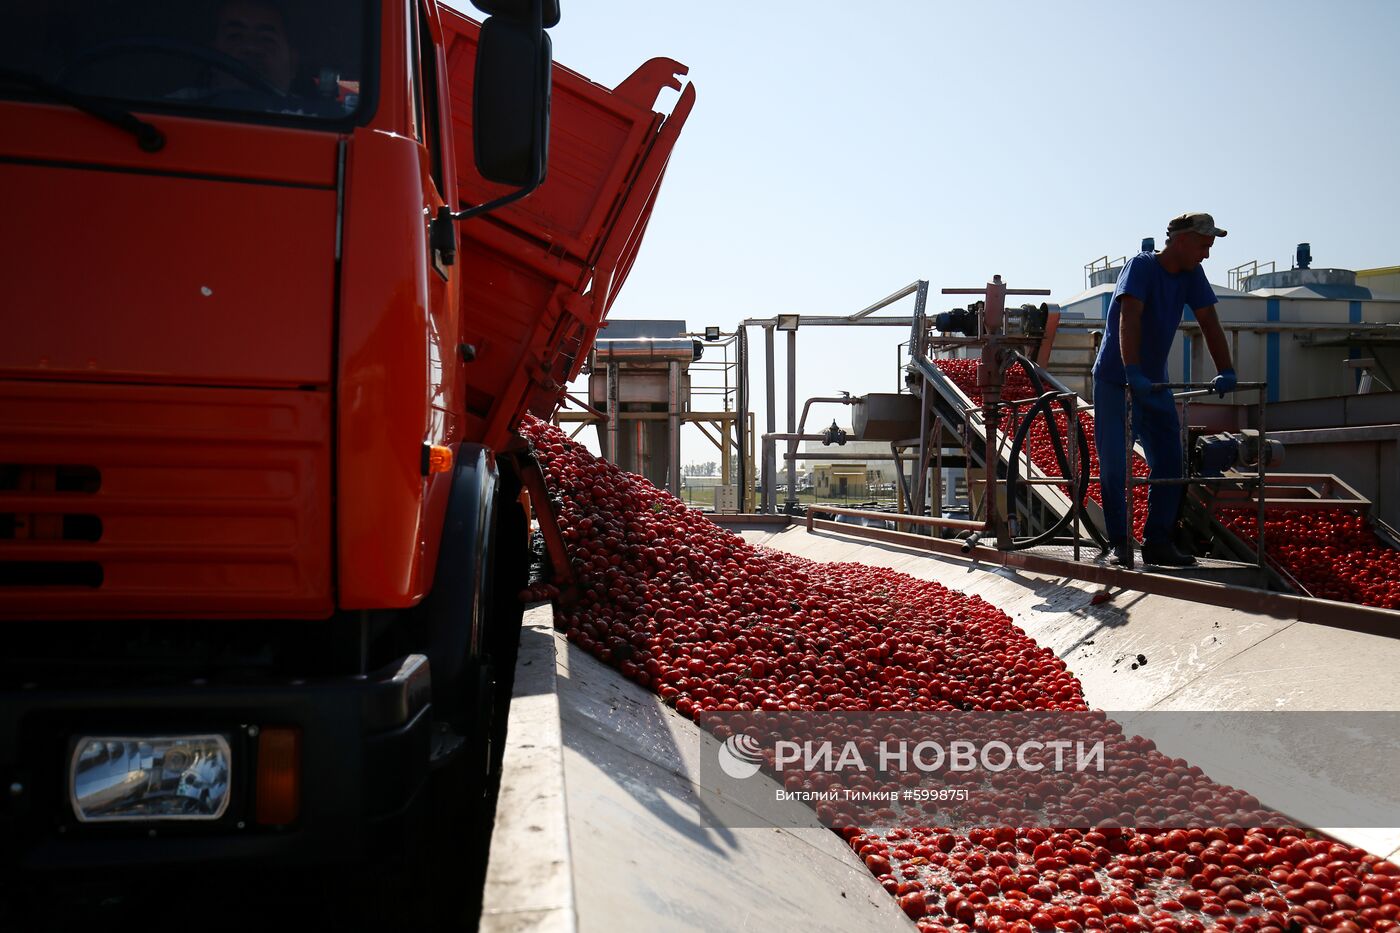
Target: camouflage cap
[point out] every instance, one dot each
(1194, 223)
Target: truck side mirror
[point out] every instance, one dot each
(521, 10)
(510, 104)
(510, 97)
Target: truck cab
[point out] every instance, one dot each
(231, 424)
(277, 301)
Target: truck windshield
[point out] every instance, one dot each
(267, 61)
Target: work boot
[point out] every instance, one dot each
(1122, 554)
(1165, 554)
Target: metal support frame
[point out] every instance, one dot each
(900, 491)
(994, 344)
(862, 318)
(673, 432)
(770, 462)
(1194, 390)
(735, 427)
(741, 435)
(1072, 430)
(614, 411)
(936, 497)
(791, 504)
(532, 478)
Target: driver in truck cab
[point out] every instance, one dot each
(255, 33)
(257, 36)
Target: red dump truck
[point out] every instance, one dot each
(273, 306)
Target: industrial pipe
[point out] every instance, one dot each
(614, 410)
(673, 425)
(648, 350)
(770, 461)
(793, 437)
(807, 406)
(960, 524)
(741, 404)
(792, 419)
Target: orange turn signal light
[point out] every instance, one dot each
(278, 800)
(439, 459)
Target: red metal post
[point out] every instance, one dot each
(532, 477)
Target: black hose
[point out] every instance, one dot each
(1078, 491)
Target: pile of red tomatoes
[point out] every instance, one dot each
(1333, 553)
(710, 623)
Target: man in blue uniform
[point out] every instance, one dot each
(1153, 291)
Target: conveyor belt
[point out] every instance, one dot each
(1040, 506)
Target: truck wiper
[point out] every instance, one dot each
(148, 137)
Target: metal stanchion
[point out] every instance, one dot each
(1193, 390)
(1128, 467)
(1259, 489)
(1072, 433)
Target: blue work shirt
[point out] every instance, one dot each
(1164, 298)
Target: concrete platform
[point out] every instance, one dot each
(1229, 572)
(1198, 657)
(604, 823)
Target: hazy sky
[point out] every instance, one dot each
(838, 152)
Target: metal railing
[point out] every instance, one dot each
(1237, 276)
(1195, 390)
(1101, 264)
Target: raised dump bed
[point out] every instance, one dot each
(542, 273)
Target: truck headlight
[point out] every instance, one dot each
(147, 778)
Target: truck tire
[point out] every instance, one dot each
(454, 614)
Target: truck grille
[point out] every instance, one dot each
(160, 501)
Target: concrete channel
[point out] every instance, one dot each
(602, 819)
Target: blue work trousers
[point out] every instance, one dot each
(1158, 429)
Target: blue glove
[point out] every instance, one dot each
(1143, 393)
(1138, 381)
(1225, 382)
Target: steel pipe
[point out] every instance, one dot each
(646, 350)
(924, 520)
(791, 419)
(614, 410)
(830, 321)
(770, 461)
(673, 410)
(741, 402)
(888, 300)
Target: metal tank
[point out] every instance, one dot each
(885, 416)
(639, 376)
